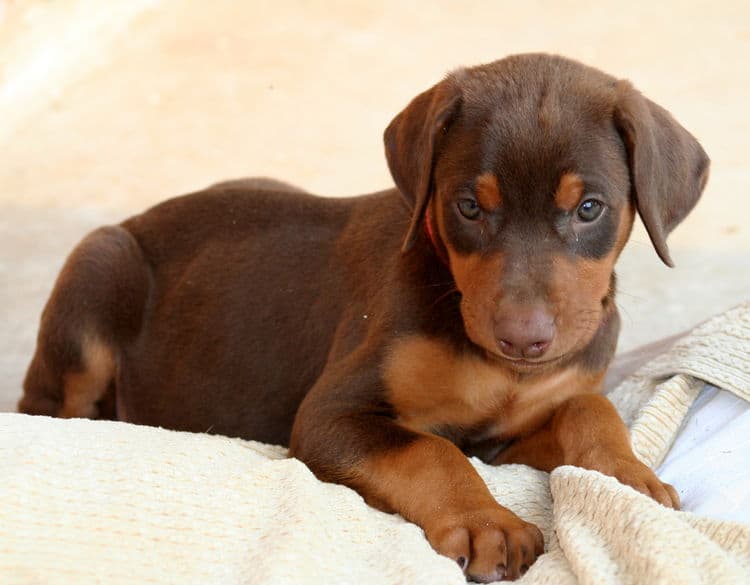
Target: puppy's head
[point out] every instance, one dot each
(529, 171)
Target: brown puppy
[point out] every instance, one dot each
(278, 316)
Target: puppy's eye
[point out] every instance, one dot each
(469, 208)
(589, 210)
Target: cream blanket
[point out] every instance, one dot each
(104, 502)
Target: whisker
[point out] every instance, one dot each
(443, 296)
(445, 283)
(631, 295)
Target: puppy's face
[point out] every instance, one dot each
(529, 171)
(533, 211)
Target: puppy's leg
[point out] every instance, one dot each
(96, 304)
(587, 431)
(423, 477)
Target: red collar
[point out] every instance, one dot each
(436, 246)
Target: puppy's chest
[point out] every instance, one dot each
(434, 389)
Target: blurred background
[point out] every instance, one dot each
(107, 107)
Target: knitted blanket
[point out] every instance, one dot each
(106, 502)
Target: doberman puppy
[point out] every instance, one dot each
(382, 337)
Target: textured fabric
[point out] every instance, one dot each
(655, 400)
(106, 502)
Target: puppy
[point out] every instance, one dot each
(382, 337)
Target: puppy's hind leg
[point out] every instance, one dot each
(96, 306)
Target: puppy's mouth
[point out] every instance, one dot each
(524, 365)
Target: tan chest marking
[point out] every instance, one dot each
(432, 385)
(535, 399)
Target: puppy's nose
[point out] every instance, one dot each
(524, 332)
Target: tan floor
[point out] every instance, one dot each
(108, 107)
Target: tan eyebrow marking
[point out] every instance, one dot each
(569, 191)
(488, 191)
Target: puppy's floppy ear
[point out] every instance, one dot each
(412, 140)
(668, 168)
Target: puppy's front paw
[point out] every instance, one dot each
(489, 545)
(642, 478)
(630, 471)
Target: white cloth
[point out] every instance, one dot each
(104, 502)
(709, 462)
